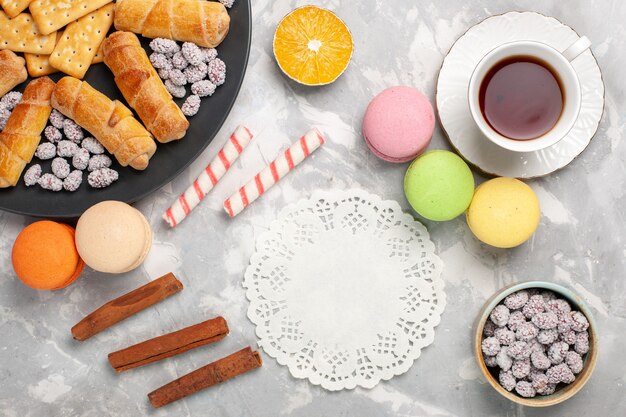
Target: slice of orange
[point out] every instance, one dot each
(312, 45)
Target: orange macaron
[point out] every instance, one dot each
(45, 256)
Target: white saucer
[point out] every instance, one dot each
(453, 107)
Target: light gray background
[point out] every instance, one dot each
(580, 242)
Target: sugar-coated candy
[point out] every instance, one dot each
(52, 134)
(10, 99)
(568, 337)
(164, 74)
(46, 151)
(581, 346)
(209, 54)
(500, 315)
(160, 61)
(521, 368)
(503, 359)
(547, 337)
(507, 380)
(179, 61)
(195, 73)
(217, 71)
(32, 175)
(92, 145)
(177, 77)
(540, 360)
(72, 131)
(177, 91)
(164, 46)
(557, 351)
(560, 373)
(548, 295)
(490, 346)
(4, 116)
(504, 335)
(50, 182)
(489, 328)
(579, 321)
(56, 119)
(574, 361)
(515, 319)
(519, 350)
(534, 331)
(535, 305)
(73, 181)
(490, 361)
(66, 148)
(565, 323)
(80, 160)
(559, 306)
(535, 346)
(550, 389)
(227, 3)
(540, 383)
(525, 389)
(534, 372)
(60, 168)
(192, 53)
(203, 88)
(526, 331)
(546, 320)
(102, 177)
(99, 161)
(191, 106)
(516, 300)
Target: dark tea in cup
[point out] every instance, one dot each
(521, 97)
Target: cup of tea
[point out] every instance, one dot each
(525, 95)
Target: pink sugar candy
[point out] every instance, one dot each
(398, 124)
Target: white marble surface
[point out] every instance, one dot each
(580, 242)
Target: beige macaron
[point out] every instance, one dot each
(113, 237)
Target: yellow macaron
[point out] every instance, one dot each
(504, 212)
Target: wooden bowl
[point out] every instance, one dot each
(589, 359)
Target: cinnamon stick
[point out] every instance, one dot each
(125, 306)
(219, 371)
(170, 344)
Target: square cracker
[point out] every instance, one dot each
(38, 65)
(20, 34)
(51, 15)
(80, 41)
(99, 55)
(14, 7)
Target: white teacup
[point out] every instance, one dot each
(559, 62)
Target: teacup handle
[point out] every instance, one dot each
(577, 48)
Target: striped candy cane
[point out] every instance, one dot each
(188, 200)
(270, 175)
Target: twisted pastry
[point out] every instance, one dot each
(22, 133)
(204, 23)
(142, 88)
(110, 122)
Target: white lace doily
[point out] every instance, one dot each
(345, 289)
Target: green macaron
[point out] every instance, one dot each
(439, 185)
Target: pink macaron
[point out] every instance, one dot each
(398, 124)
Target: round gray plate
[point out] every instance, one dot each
(170, 158)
